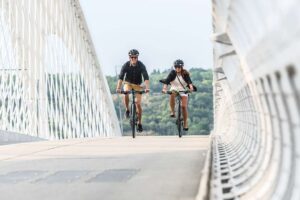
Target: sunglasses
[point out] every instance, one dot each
(133, 57)
(178, 66)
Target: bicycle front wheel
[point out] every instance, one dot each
(133, 119)
(179, 123)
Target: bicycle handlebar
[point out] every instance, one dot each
(178, 92)
(129, 92)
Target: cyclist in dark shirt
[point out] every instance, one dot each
(132, 71)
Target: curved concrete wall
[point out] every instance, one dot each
(256, 138)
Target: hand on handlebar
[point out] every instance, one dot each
(164, 90)
(191, 88)
(118, 90)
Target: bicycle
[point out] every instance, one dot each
(133, 115)
(179, 119)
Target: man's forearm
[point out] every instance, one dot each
(147, 84)
(119, 84)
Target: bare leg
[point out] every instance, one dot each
(139, 107)
(126, 101)
(126, 97)
(184, 100)
(172, 103)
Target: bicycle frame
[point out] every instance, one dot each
(179, 119)
(133, 116)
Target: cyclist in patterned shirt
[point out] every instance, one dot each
(179, 79)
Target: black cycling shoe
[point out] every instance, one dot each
(172, 115)
(185, 129)
(127, 114)
(139, 128)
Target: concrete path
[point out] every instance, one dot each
(145, 168)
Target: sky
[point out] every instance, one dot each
(161, 30)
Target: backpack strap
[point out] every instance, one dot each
(179, 81)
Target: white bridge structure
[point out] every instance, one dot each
(51, 83)
(256, 137)
(52, 87)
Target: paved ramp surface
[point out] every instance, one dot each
(119, 168)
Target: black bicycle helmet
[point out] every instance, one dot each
(178, 63)
(133, 52)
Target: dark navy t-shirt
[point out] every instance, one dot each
(133, 74)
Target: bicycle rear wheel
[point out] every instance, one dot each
(133, 119)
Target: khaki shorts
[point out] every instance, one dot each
(130, 86)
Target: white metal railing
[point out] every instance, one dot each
(51, 84)
(256, 137)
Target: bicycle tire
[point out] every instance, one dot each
(133, 119)
(179, 125)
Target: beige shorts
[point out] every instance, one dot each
(130, 86)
